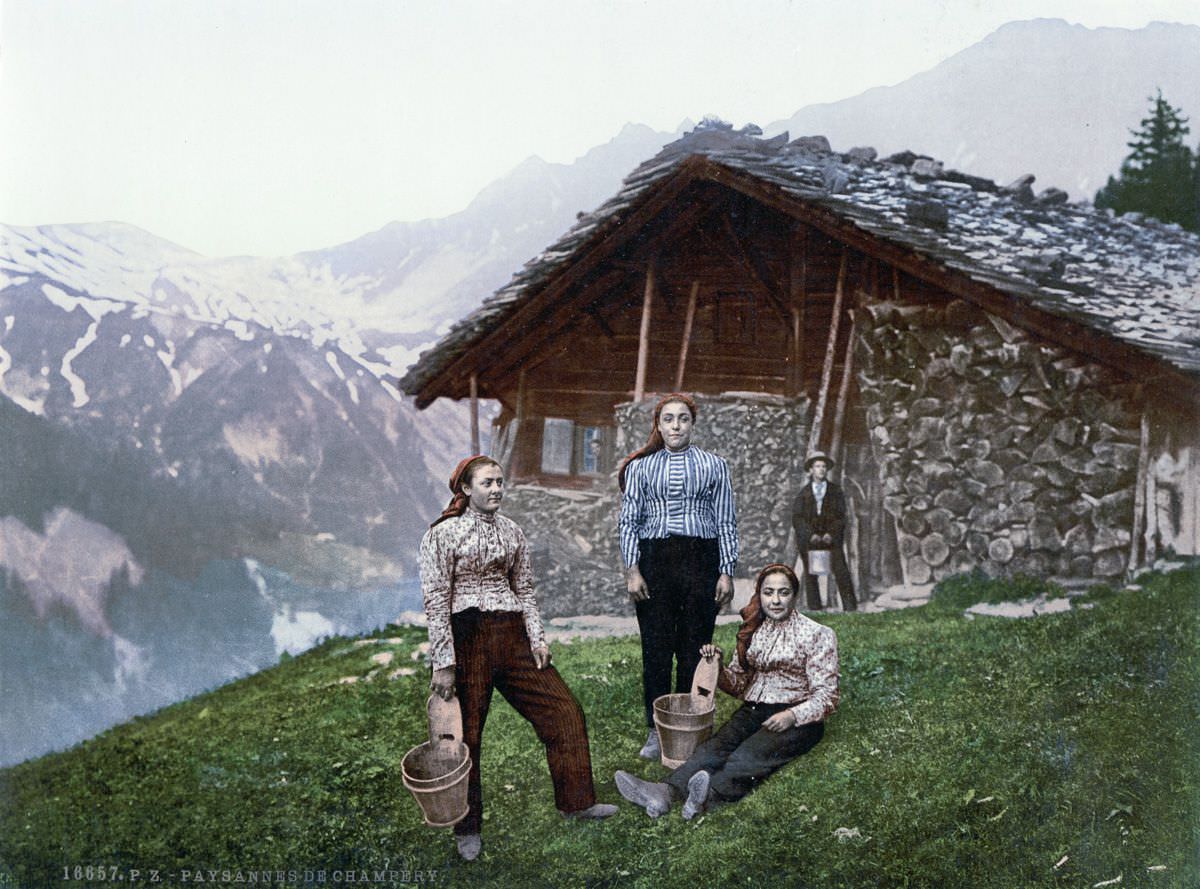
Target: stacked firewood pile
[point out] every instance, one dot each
(994, 450)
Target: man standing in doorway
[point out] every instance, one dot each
(679, 541)
(819, 520)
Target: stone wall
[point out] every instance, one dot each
(573, 542)
(573, 534)
(996, 450)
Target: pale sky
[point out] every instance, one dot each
(268, 127)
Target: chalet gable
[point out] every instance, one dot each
(1122, 291)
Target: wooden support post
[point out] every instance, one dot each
(1151, 535)
(687, 334)
(639, 385)
(839, 414)
(875, 507)
(1189, 526)
(1139, 493)
(900, 554)
(498, 440)
(797, 295)
(814, 438)
(896, 284)
(796, 371)
(514, 428)
(474, 414)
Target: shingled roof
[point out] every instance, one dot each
(1134, 280)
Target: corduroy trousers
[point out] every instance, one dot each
(743, 754)
(681, 575)
(491, 651)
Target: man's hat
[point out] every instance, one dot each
(814, 457)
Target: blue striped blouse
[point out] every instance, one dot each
(686, 493)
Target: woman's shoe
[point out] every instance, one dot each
(652, 749)
(697, 798)
(469, 845)
(594, 812)
(654, 798)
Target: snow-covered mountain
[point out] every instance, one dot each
(200, 471)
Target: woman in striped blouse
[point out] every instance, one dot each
(679, 542)
(786, 674)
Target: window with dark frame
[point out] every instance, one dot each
(570, 448)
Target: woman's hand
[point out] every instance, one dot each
(724, 590)
(635, 585)
(442, 683)
(709, 651)
(780, 722)
(541, 657)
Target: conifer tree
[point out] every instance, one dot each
(1161, 175)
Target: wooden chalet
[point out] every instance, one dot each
(917, 316)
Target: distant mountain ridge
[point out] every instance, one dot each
(1042, 96)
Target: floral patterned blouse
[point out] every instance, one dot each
(791, 661)
(475, 561)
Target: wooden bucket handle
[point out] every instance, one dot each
(445, 719)
(704, 680)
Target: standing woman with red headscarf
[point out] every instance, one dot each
(679, 541)
(485, 633)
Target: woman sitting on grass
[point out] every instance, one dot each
(786, 673)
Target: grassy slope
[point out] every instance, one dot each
(967, 753)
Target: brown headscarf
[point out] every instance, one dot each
(462, 475)
(752, 614)
(655, 442)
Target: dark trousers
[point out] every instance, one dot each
(491, 650)
(841, 576)
(681, 575)
(743, 754)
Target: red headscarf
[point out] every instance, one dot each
(462, 473)
(655, 442)
(752, 614)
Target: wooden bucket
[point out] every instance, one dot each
(436, 771)
(684, 721)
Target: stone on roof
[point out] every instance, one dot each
(1134, 279)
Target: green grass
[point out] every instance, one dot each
(967, 753)
(964, 590)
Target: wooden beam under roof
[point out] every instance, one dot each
(756, 268)
(560, 316)
(639, 379)
(594, 312)
(502, 367)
